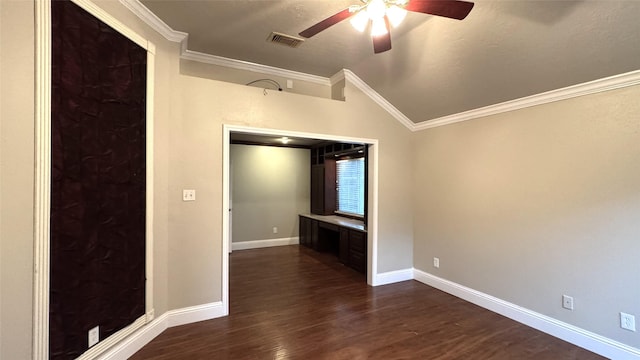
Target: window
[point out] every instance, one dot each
(350, 179)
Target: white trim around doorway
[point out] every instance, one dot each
(372, 227)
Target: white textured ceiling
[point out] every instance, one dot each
(502, 51)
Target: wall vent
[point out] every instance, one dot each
(284, 39)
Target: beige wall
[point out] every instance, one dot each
(203, 106)
(16, 177)
(237, 76)
(17, 168)
(189, 113)
(271, 187)
(533, 204)
(525, 206)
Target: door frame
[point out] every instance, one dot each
(372, 204)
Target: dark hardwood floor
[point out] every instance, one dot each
(293, 303)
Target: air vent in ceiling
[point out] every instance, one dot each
(284, 39)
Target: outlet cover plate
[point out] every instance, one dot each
(627, 321)
(94, 336)
(436, 262)
(567, 302)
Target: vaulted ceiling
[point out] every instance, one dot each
(504, 50)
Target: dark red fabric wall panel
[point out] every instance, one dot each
(98, 180)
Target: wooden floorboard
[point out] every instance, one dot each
(291, 302)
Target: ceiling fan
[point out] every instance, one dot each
(382, 14)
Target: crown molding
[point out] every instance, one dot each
(605, 84)
(592, 87)
(151, 19)
(146, 15)
(373, 95)
(154, 21)
(254, 67)
(337, 77)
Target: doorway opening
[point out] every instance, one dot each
(371, 197)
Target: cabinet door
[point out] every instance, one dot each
(317, 189)
(330, 192)
(323, 188)
(343, 250)
(358, 250)
(357, 241)
(302, 230)
(313, 224)
(308, 233)
(358, 261)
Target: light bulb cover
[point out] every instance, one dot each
(360, 21)
(376, 9)
(378, 27)
(396, 15)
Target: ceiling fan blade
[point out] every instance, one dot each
(454, 9)
(382, 43)
(326, 23)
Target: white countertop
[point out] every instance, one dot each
(339, 220)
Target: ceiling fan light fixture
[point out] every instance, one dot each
(360, 21)
(376, 9)
(396, 15)
(378, 27)
(384, 14)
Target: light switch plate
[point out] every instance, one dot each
(188, 195)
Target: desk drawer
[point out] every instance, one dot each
(358, 261)
(357, 241)
(328, 226)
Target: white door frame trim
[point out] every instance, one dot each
(372, 225)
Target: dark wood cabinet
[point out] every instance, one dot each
(350, 245)
(343, 252)
(305, 231)
(314, 234)
(323, 188)
(358, 250)
(317, 189)
(324, 195)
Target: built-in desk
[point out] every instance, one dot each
(345, 237)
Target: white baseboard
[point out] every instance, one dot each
(256, 244)
(567, 332)
(129, 346)
(195, 313)
(393, 277)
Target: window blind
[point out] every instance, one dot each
(350, 179)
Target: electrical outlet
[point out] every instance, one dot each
(188, 195)
(436, 262)
(94, 336)
(567, 302)
(627, 321)
(275, 229)
(289, 84)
